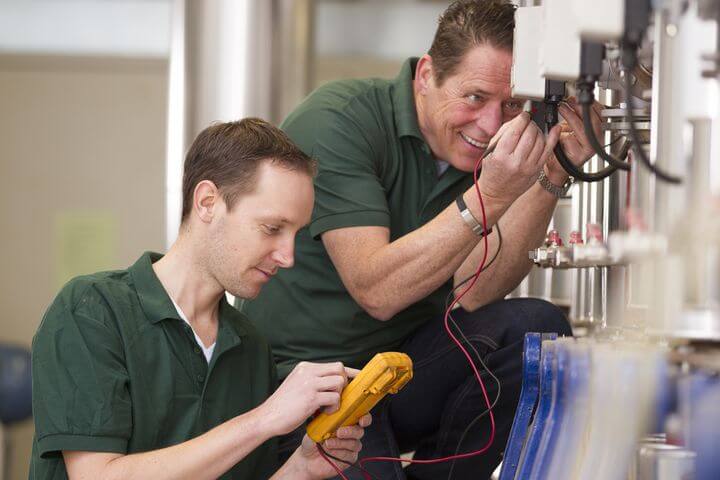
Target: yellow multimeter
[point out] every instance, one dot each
(386, 373)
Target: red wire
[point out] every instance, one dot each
(332, 464)
(465, 352)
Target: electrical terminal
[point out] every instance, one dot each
(579, 253)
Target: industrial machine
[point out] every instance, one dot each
(634, 250)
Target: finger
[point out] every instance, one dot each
(596, 118)
(573, 106)
(327, 369)
(527, 141)
(494, 140)
(572, 146)
(329, 400)
(332, 383)
(339, 444)
(365, 420)
(352, 432)
(576, 107)
(572, 118)
(512, 135)
(536, 154)
(551, 140)
(570, 142)
(575, 120)
(346, 457)
(351, 372)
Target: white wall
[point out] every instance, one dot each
(389, 30)
(130, 28)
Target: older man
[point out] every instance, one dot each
(149, 373)
(396, 225)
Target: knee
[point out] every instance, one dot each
(535, 315)
(544, 317)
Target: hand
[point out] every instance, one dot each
(345, 445)
(308, 388)
(520, 152)
(573, 139)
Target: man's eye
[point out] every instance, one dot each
(271, 229)
(474, 98)
(514, 105)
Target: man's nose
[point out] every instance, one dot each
(284, 255)
(490, 118)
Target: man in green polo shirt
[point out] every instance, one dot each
(149, 373)
(396, 225)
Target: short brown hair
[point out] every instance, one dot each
(465, 24)
(229, 154)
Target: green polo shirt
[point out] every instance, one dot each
(375, 169)
(115, 369)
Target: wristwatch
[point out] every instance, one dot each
(557, 190)
(469, 219)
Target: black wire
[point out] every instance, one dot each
(634, 135)
(472, 347)
(570, 167)
(350, 464)
(478, 418)
(486, 154)
(613, 142)
(594, 143)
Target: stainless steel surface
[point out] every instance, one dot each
(572, 256)
(589, 285)
(553, 286)
(215, 75)
(293, 53)
(657, 461)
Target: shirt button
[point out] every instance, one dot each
(200, 378)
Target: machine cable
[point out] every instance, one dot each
(554, 94)
(477, 355)
(448, 317)
(629, 61)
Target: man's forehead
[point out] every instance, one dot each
(485, 68)
(481, 84)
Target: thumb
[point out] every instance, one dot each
(552, 140)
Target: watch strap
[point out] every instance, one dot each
(469, 218)
(557, 190)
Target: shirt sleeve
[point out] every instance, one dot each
(81, 399)
(348, 143)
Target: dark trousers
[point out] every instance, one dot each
(429, 415)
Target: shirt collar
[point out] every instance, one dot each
(156, 302)
(403, 101)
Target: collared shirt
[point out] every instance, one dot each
(115, 369)
(375, 169)
(207, 351)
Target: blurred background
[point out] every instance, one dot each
(99, 99)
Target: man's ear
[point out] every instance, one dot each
(424, 74)
(206, 199)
